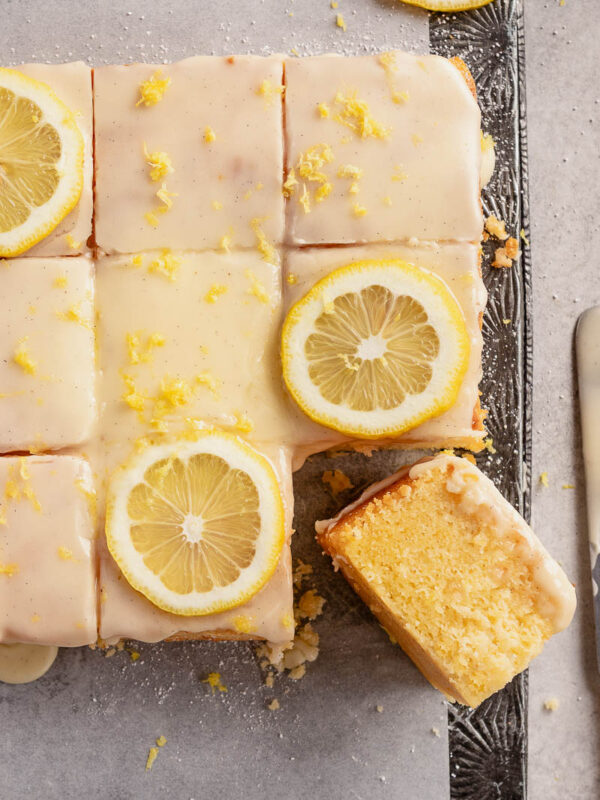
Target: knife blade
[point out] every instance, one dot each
(587, 345)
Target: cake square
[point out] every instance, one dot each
(226, 308)
(458, 266)
(47, 369)
(381, 148)
(453, 573)
(125, 613)
(72, 83)
(212, 140)
(47, 551)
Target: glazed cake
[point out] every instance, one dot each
(47, 551)
(453, 573)
(72, 83)
(198, 254)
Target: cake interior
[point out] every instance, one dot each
(450, 581)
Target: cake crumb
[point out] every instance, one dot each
(489, 445)
(310, 605)
(502, 259)
(161, 741)
(379, 709)
(512, 248)
(341, 22)
(270, 680)
(551, 704)
(214, 681)
(436, 732)
(298, 672)
(496, 227)
(337, 480)
(274, 705)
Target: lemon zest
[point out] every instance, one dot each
(209, 135)
(256, 287)
(214, 681)
(355, 114)
(160, 163)
(9, 569)
(166, 264)
(215, 291)
(65, 554)
(267, 250)
(60, 282)
(341, 22)
(23, 357)
(269, 91)
(72, 242)
(152, 91)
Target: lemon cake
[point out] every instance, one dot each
(47, 551)
(162, 361)
(72, 83)
(458, 265)
(47, 369)
(268, 614)
(189, 155)
(453, 573)
(381, 148)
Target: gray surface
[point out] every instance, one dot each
(563, 103)
(85, 729)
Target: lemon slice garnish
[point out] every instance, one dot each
(41, 161)
(197, 527)
(375, 349)
(448, 5)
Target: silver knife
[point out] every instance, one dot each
(587, 344)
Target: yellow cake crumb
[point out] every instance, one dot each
(161, 741)
(256, 288)
(551, 704)
(496, 227)
(502, 259)
(270, 680)
(209, 135)
(159, 162)
(337, 480)
(152, 91)
(512, 248)
(310, 605)
(273, 705)
(379, 709)
(214, 681)
(23, 358)
(298, 672)
(215, 291)
(166, 264)
(301, 571)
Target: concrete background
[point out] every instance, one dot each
(563, 105)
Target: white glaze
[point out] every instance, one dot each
(24, 663)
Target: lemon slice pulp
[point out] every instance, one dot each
(41, 161)
(197, 527)
(448, 5)
(375, 348)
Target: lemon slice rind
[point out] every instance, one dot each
(448, 5)
(44, 218)
(449, 368)
(269, 545)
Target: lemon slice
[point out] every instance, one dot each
(197, 527)
(375, 348)
(41, 161)
(448, 5)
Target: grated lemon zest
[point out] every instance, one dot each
(217, 205)
(290, 183)
(215, 291)
(324, 110)
(9, 569)
(355, 114)
(269, 90)
(159, 162)
(152, 755)
(243, 423)
(267, 250)
(256, 287)
(243, 623)
(341, 22)
(74, 314)
(292, 278)
(60, 282)
(23, 358)
(152, 91)
(142, 353)
(65, 554)
(166, 264)
(214, 681)
(72, 242)
(209, 135)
